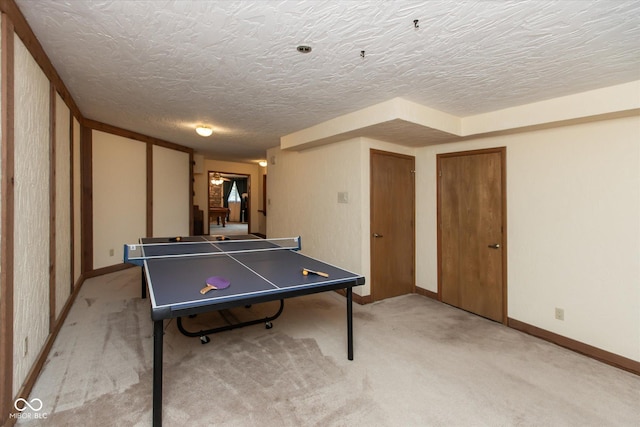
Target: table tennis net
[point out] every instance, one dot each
(190, 247)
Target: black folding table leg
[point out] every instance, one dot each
(158, 331)
(143, 287)
(349, 324)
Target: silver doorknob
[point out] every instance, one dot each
(377, 235)
(495, 246)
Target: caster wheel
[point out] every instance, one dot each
(268, 325)
(204, 339)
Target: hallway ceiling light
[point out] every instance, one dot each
(204, 130)
(263, 163)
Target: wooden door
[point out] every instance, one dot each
(392, 224)
(471, 238)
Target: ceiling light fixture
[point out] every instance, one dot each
(204, 130)
(263, 163)
(217, 179)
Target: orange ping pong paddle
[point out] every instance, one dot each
(306, 271)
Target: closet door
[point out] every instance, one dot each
(471, 238)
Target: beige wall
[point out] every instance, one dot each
(119, 202)
(62, 204)
(303, 189)
(171, 195)
(573, 203)
(2, 196)
(119, 194)
(573, 212)
(31, 213)
(303, 200)
(77, 234)
(35, 284)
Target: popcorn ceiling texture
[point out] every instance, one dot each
(31, 217)
(161, 67)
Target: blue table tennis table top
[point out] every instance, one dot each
(174, 283)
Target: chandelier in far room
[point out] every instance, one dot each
(217, 179)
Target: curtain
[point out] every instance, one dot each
(234, 207)
(226, 190)
(243, 186)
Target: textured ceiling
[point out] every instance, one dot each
(161, 67)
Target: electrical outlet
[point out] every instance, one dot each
(559, 313)
(343, 197)
(110, 252)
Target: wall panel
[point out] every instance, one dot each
(77, 188)
(62, 204)
(119, 205)
(171, 192)
(32, 206)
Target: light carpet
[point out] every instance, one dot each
(417, 363)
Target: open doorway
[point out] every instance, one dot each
(229, 203)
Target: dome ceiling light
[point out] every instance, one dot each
(204, 131)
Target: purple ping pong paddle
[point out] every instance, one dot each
(215, 282)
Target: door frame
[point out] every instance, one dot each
(503, 178)
(248, 176)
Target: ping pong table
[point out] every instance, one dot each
(174, 270)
